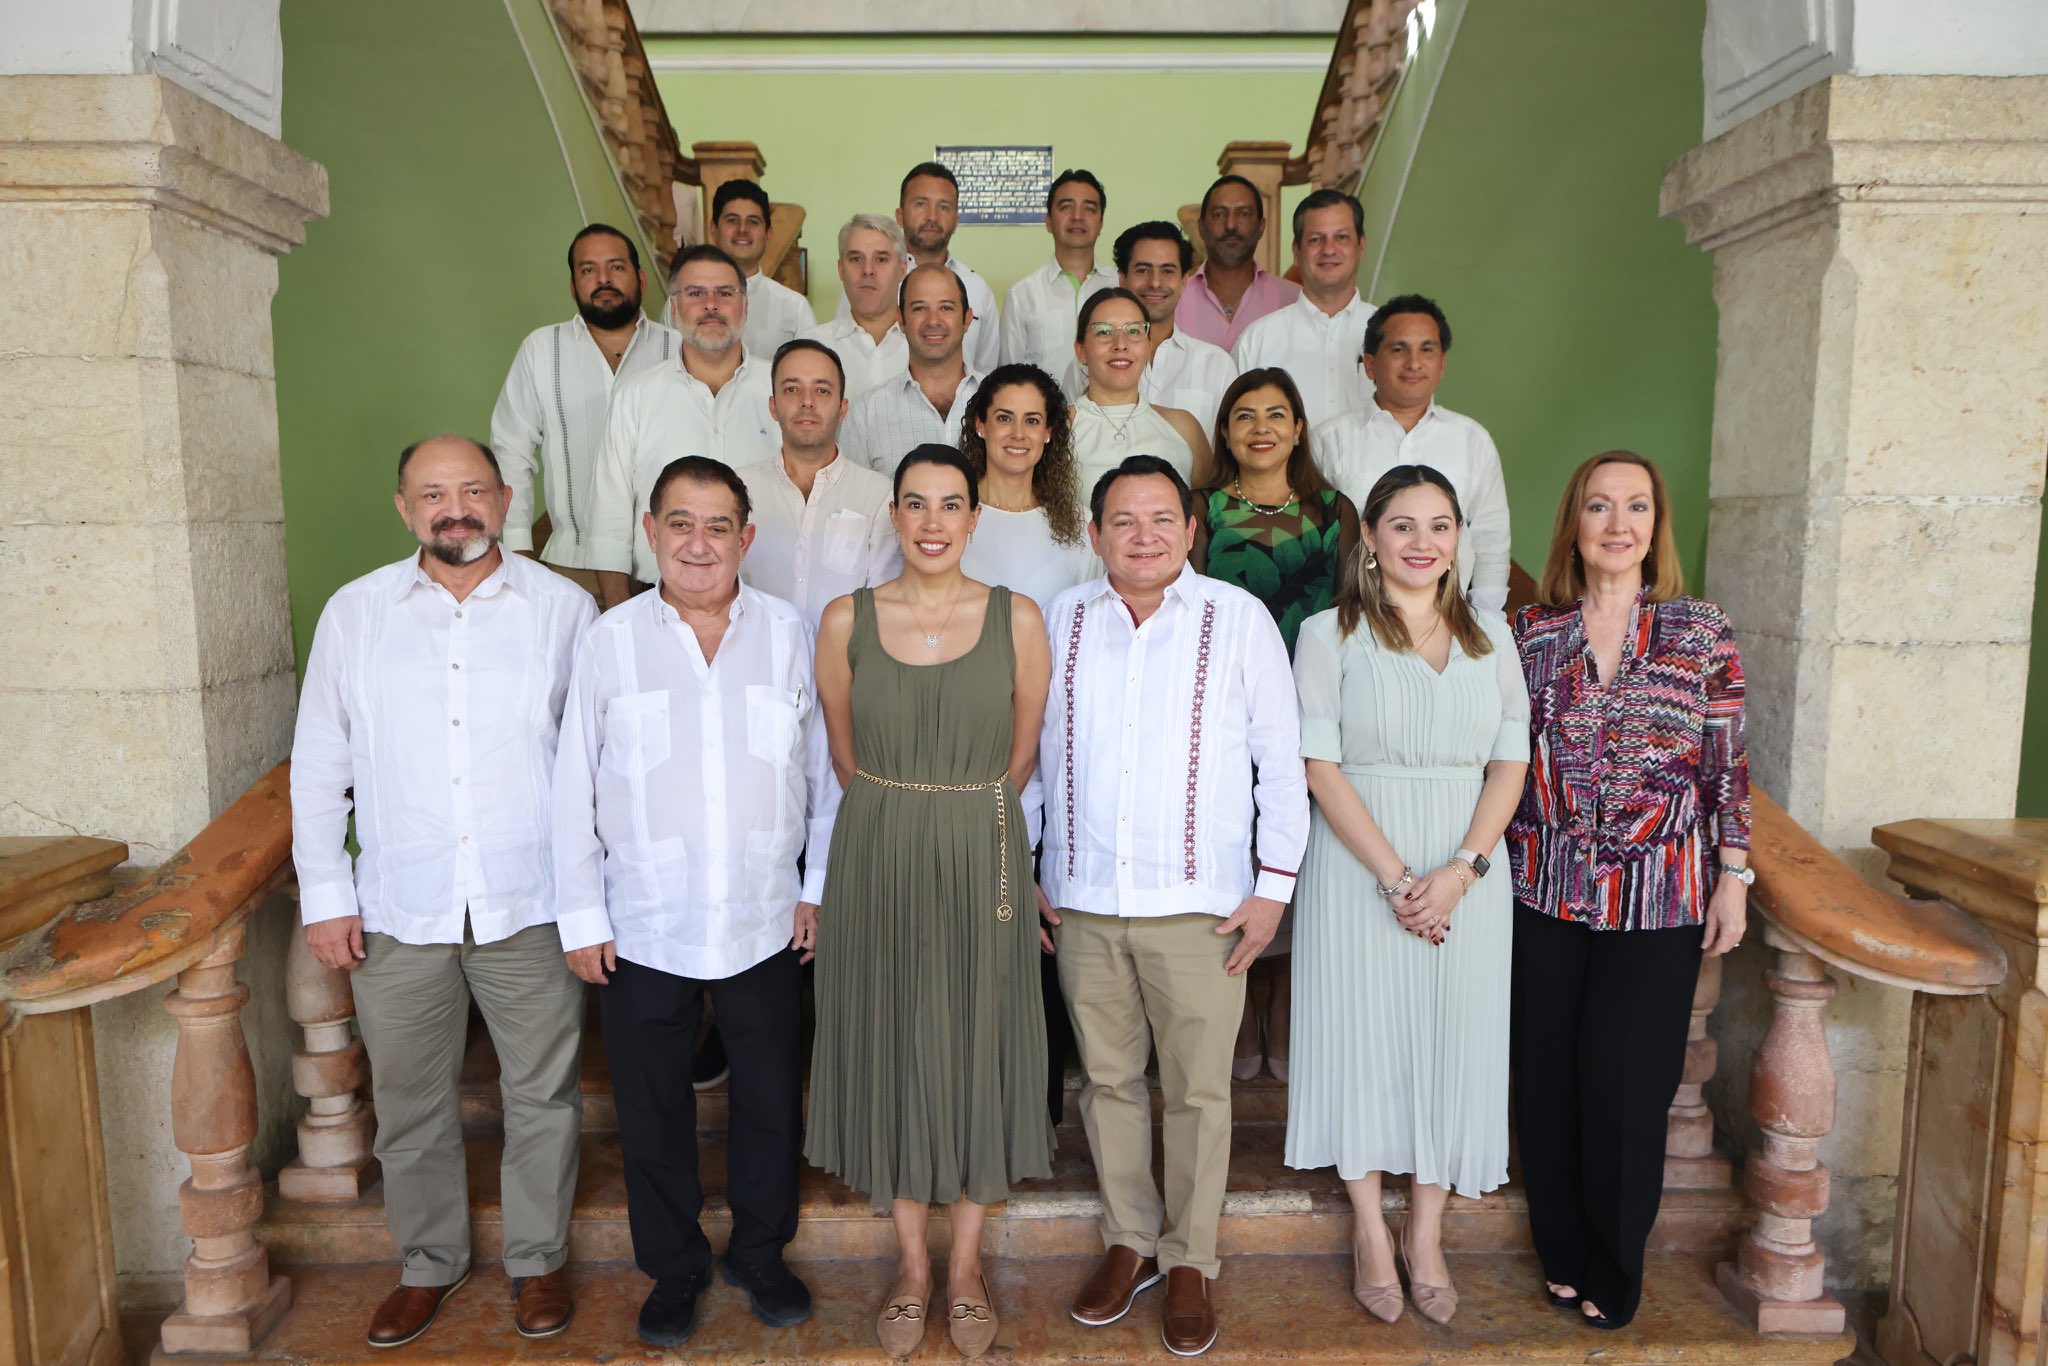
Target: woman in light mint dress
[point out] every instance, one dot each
(1415, 728)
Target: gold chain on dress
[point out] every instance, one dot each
(1003, 911)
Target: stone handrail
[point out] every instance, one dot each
(188, 919)
(1817, 913)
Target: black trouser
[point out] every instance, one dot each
(1599, 1019)
(650, 1027)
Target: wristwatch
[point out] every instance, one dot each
(1741, 873)
(1479, 862)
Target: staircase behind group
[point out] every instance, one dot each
(1284, 1292)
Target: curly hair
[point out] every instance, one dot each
(1056, 479)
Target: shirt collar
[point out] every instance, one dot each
(499, 578)
(1302, 301)
(1187, 586)
(669, 616)
(1376, 412)
(828, 475)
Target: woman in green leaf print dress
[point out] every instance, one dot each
(1274, 527)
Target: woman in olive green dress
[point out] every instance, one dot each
(1273, 526)
(928, 1071)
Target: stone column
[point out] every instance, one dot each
(1881, 398)
(146, 678)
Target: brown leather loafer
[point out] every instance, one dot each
(409, 1311)
(542, 1305)
(1119, 1277)
(1188, 1327)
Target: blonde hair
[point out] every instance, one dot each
(1564, 578)
(874, 222)
(1363, 594)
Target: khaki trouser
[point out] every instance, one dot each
(412, 1002)
(1158, 981)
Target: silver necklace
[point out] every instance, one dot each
(1270, 509)
(1118, 433)
(931, 638)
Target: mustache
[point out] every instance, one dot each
(450, 523)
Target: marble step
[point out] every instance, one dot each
(1278, 1308)
(1272, 1209)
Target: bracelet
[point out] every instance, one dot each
(1406, 879)
(1465, 875)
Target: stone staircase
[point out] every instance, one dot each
(1284, 1293)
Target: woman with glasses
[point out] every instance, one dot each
(1110, 420)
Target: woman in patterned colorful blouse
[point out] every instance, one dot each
(1630, 853)
(1274, 527)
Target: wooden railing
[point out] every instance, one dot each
(188, 919)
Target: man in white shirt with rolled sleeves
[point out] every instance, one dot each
(712, 401)
(928, 401)
(431, 707)
(1406, 349)
(1042, 312)
(1316, 338)
(1172, 725)
(868, 338)
(740, 220)
(549, 417)
(1152, 261)
(693, 773)
(821, 522)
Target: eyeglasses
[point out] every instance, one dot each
(697, 294)
(1128, 331)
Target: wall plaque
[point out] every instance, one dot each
(1000, 184)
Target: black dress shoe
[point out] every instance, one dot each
(669, 1315)
(778, 1298)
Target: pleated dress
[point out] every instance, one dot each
(928, 1067)
(1400, 1047)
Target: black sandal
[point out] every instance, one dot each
(1558, 1301)
(1596, 1319)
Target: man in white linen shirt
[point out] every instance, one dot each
(927, 402)
(1152, 261)
(693, 772)
(433, 697)
(1407, 347)
(550, 414)
(740, 220)
(1317, 337)
(868, 339)
(928, 211)
(1172, 724)
(822, 522)
(1041, 313)
(713, 401)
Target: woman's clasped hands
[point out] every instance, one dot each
(1424, 907)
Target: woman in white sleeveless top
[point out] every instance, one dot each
(1033, 534)
(1111, 421)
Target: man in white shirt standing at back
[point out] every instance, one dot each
(693, 772)
(550, 414)
(868, 339)
(927, 402)
(928, 211)
(1172, 724)
(712, 401)
(821, 522)
(1152, 261)
(740, 220)
(433, 699)
(1317, 337)
(1043, 309)
(1407, 346)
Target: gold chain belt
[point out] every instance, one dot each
(1003, 911)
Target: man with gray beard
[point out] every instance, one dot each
(433, 701)
(712, 400)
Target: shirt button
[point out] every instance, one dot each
(465, 839)
(458, 613)
(456, 722)
(454, 666)
(457, 780)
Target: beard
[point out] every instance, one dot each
(453, 552)
(607, 317)
(705, 341)
(930, 237)
(1231, 251)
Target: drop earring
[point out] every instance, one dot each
(1372, 560)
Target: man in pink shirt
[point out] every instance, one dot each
(1231, 289)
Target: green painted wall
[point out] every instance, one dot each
(1151, 136)
(453, 202)
(2033, 793)
(1581, 321)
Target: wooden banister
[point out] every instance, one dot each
(188, 919)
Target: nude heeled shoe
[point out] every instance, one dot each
(1383, 1302)
(1437, 1303)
